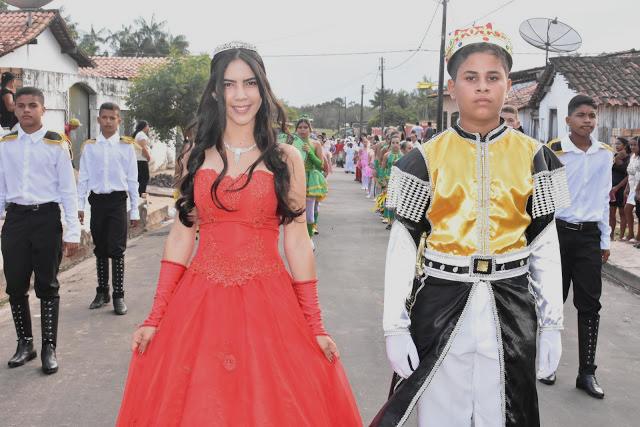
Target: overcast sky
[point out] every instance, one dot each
(280, 27)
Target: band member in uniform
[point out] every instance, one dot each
(584, 231)
(472, 271)
(36, 176)
(108, 172)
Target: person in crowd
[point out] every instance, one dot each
(71, 126)
(108, 176)
(471, 275)
(418, 130)
(33, 241)
(8, 118)
(633, 183)
(389, 159)
(143, 155)
(583, 231)
(233, 337)
(365, 159)
(405, 147)
(349, 160)
(618, 186)
(510, 115)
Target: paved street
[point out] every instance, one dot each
(94, 345)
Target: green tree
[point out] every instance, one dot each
(3, 5)
(93, 41)
(147, 38)
(168, 96)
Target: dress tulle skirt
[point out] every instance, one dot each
(238, 355)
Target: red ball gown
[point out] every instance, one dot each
(233, 348)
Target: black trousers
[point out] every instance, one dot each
(109, 224)
(582, 266)
(143, 176)
(32, 245)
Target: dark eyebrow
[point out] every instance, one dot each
(244, 81)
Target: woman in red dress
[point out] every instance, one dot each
(233, 338)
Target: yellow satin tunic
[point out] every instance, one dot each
(479, 193)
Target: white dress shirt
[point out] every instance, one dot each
(109, 165)
(589, 177)
(34, 172)
(141, 136)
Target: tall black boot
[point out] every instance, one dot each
(22, 321)
(49, 309)
(587, 341)
(117, 266)
(102, 291)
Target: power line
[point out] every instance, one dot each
(424, 36)
(489, 13)
(377, 52)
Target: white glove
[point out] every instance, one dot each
(549, 352)
(400, 348)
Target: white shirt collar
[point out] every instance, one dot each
(111, 140)
(568, 145)
(33, 137)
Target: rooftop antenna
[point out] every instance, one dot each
(550, 35)
(29, 6)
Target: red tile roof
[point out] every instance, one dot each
(610, 79)
(123, 68)
(15, 32)
(520, 94)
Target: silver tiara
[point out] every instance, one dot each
(235, 45)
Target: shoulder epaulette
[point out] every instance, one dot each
(10, 137)
(55, 138)
(555, 145)
(127, 140)
(607, 147)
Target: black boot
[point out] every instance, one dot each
(22, 320)
(102, 291)
(117, 265)
(49, 309)
(587, 341)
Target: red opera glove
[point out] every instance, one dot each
(307, 293)
(170, 274)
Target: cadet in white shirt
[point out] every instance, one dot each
(108, 172)
(583, 230)
(36, 176)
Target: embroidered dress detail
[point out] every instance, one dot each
(407, 194)
(550, 192)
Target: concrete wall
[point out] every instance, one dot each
(46, 56)
(558, 98)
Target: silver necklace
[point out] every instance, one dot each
(237, 152)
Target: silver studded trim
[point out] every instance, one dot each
(436, 366)
(407, 194)
(496, 319)
(550, 192)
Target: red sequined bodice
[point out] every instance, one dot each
(242, 242)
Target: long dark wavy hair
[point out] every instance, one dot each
(210, 125)
(140, 127)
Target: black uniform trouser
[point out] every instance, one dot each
(582, 266)
(109, 224)
(143, 176)
(32, 244)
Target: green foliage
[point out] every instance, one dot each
(3, 5)
(403, 107)
(92, 42)
(168, 96)
(147, 38)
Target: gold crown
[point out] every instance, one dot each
(235, 45)
(459, 39)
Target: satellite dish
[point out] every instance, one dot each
(28, 4)
(550, 35)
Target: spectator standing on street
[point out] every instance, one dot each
(418, 131)
(36, 176)
(510, 115)
(108, 173)
(429, 132)
(633, 184)
(143, 155)
(583, 230)
(619, 178)
(8, 117)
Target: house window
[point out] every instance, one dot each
(553, 124)
(454, 118)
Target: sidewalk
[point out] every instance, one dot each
(624, 265)
(152, 215)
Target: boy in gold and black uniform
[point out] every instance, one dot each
(472, 269)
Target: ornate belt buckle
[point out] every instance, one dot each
(482, 265)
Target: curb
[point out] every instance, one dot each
(149, 222)
(621, 277)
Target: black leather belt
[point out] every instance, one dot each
(580, 226)
(44, 207)
(481, 266)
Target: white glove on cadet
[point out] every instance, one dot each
(549, 352)
(400, 348)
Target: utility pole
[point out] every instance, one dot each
(361, 107)
(441, 74)
(345, 116)
(382, 94)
